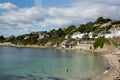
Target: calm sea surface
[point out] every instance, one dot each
(48, 64)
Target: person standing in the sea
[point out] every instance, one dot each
(66, 70)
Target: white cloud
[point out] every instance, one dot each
(54, 22)
(8, 6)
(82, 11)
(113, 1)
(27, 15)
(79, 11)
(21, 19)
(100, 1)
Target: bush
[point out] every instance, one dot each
(2, 38)
(99, 42)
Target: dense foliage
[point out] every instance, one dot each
(71, 29)
(99, 42)
(2, 38)
(58, 35)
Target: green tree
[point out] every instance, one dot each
(2, 38)
(116, 22)
(53, 34)
(10, 39)
(82, 28)
(85, 28)
(108, 20)
(85, 37)
(33, 38)
(70, 30)
(60, 32)
(20, 39)
(99, 42)
(88, 27)
(100, 20)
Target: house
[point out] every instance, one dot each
(100, 35)
(96, 25)
(43, 35)
(85, 45)
(90, 35)
(26, 37)
(95, 35)
(66, 43)
(108, 35)
(115, 32)
(106, 24)
(68, 37)
(77, 35)
(116, 26)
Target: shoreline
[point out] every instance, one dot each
(111, 73)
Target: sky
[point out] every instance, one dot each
(24, 16)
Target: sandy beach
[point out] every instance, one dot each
(113, 72)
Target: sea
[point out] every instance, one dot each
(49, 64)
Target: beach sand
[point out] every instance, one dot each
(114, 71)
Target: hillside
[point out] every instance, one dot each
(89, 31)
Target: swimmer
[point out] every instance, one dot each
(66, 70)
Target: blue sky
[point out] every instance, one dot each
(25, 16)
(20, 3)
(31, 3)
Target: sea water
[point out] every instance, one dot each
(48, 64)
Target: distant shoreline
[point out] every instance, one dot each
(110, 74)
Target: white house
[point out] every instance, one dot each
(109, 35)
(106, 24)
(77, 35)
(96, 25)
(26, 37)
(115, 32)
(90, 35)
(43, 35)
(67, 36)
(116, 26)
